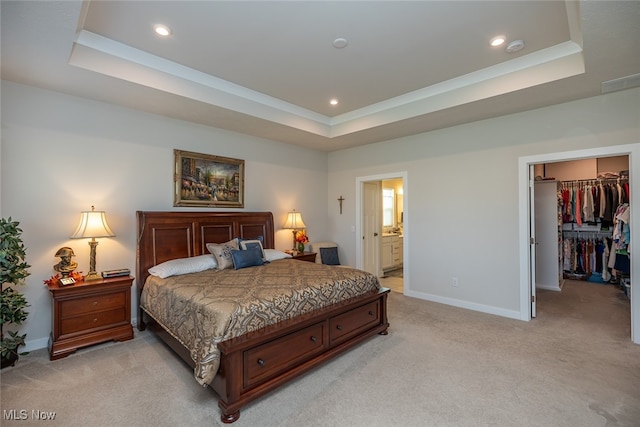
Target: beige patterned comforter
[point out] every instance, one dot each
(203, 309)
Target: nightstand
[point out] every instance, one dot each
(305, 256)
(88, 313)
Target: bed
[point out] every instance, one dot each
(268, 353)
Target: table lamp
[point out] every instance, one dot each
(294, 222)
(92, 224)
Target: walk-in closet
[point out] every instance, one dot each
(582, 223)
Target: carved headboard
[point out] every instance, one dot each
(163, 236)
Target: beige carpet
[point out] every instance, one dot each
(439, 366)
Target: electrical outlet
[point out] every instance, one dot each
(454, 282)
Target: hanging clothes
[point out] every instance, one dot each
(592, 201)
(586, 257)
(596, 248)
(622, 239)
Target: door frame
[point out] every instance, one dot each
(532, 242)
(526, 214)
(406, 219)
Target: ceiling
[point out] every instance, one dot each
(269, 69)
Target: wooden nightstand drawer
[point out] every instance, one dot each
(92, 320)
(92, 304)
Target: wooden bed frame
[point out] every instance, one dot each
(253, 364)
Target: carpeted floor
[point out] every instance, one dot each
(574, 365)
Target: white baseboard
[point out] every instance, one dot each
(36, 344)
(549, 287)
(511, 314)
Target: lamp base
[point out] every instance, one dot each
(92, 276)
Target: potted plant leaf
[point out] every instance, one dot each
(13, 271)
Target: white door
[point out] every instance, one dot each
(370, 227)
(532, 242)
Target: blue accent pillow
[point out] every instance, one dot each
(329, 256)
(256, 244)
(246, 258)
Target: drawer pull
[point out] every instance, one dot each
(314, 339)
(95, 303)
(339, 327)
(370, 313)
(260, 362)
(95, 320)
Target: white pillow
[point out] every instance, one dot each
(274, 254)
(184, 266)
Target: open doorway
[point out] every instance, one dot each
(530, 168)
(382, 222)
(391, 249)
(581, 252)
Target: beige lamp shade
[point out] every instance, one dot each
(92, 224)
(294, 221)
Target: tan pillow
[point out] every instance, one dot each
(222, 253)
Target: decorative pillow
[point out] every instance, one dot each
(222, 253)
(329, 256)
(184, 266)
(274, 254)
(246, 258)
(246, 244)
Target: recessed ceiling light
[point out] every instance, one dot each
(162, 30)
(514, 46)
(497, 41)
(340, 42)
(333, 101)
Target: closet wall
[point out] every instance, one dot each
(584, 169)
(548, 229)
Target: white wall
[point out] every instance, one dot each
(61, 154)
(462, 211)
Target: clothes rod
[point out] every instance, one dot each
(596, 179)
(588, 231)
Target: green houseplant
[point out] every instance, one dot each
(13, 270)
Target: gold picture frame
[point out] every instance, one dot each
(208, 181)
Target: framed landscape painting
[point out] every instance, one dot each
(208, 181)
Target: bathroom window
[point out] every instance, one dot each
(388, 205)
